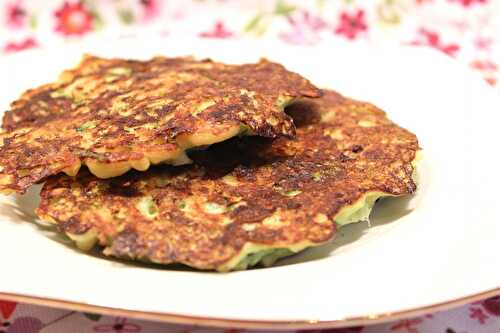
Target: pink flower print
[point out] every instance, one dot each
(483, 43)
(351, 24)
(478, 314)
(491, 80)
(73, 19)
(218, 31)
(304, 28)
(484, 65)
(16, 15)
(408, 325)
(487, 68)
(119, 326)
(25, 325)
(306, 19)
(467, 3)
(151, 8)
(21, 324)
(492, 305)
(433, 39)
(7, 308)
(25, 44)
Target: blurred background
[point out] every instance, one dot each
(468, 30)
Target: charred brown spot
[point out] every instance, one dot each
(74, 225)
(126, 244)
(357, 148)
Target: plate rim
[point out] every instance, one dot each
(171, 318)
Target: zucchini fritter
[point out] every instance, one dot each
(113, 115)
(246, 200)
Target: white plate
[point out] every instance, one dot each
(438, 247)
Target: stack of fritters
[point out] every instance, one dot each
(272, 184)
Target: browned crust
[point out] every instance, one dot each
(113, 110)
(332, 163)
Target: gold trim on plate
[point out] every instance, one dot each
(252, 324)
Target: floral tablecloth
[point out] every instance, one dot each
(468, 30)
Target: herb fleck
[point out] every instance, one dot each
(86, 126)
(292, 193)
